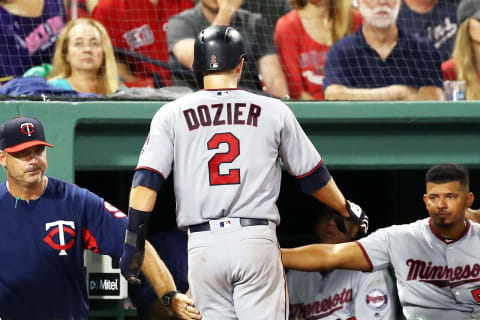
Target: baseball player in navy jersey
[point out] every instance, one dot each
(339, 294)
(45, 226)
(435, 260)
(224, 146)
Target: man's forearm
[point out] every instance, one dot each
(331, 196)
(223, 18)
(271, 71)
(307, 258)
(430, 93)
(321, 257)
(157, 272)
(340, 92)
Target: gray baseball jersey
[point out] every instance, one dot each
(341, 294)
(436, 278)
(224, 146)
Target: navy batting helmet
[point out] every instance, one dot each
(217, 48)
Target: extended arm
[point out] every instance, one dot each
(394, 92)
(162, 281)
(183, 49)
(430, 93)
(321, 257)
(271, 71)
(142, 201)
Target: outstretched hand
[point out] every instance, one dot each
(357, 216)
(131, 263)
(184, 308)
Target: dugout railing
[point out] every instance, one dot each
(360, 135)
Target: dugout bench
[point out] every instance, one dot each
(101, 136)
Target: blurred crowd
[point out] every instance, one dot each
(297, 49)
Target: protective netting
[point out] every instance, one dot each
(300, 49)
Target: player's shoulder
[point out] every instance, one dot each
(474, 226)
(175, 105)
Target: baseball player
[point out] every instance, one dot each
(45, 226)
(339, 294)
(435, 260)
(224, 146)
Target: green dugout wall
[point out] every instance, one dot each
(374, 146)
(361, 135)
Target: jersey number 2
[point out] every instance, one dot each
(233, 175)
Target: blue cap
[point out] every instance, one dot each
(21, 133)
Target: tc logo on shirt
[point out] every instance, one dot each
(65, 230)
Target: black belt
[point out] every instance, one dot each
(244, 222)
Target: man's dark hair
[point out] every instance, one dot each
(448, 172)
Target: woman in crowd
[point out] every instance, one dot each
(465, 64)
(304, 36)
(84, 59)
(28, 29)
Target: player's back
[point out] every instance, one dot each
(226, 146)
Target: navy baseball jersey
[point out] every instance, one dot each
(43, 241)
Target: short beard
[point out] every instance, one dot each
(370, 17)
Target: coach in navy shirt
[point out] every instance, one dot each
(380, 62)
(45, 226)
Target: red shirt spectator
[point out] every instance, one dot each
(303, 58)
(140, 26)
(450, 71)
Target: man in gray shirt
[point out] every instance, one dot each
(262, 70)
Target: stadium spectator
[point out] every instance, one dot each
(381, 61)
(465, 64)
(262, 58)
(139, 27)
(431, 19)
(303, 37)
(361, 296)
(84, 59)
(28, 29)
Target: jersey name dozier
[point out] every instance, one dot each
(220, 114)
